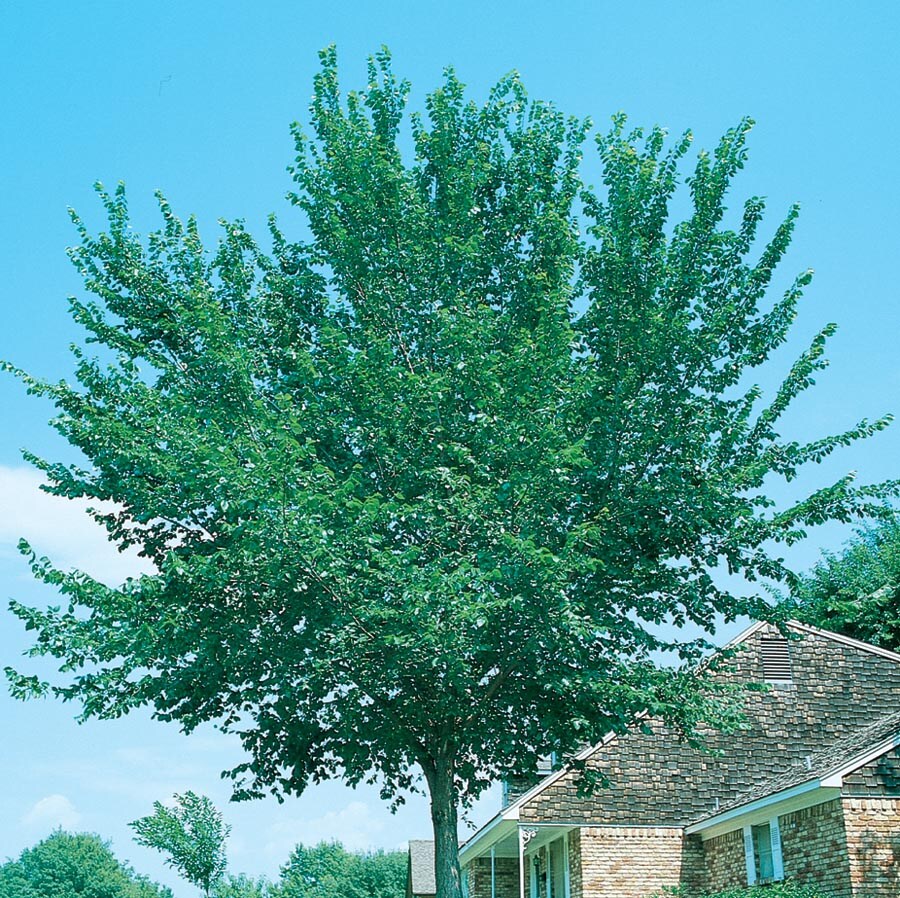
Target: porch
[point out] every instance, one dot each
(509, 859)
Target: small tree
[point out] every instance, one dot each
(422, 489)
(192, 834)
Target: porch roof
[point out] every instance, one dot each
(500, 837)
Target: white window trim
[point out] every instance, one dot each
(777, 854)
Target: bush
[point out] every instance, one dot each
(773, 890)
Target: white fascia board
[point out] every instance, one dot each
(743, 636)
(492, 832)
(803, 795)
(836, 777)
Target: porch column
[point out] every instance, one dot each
(525, 836)
(521, 863)
(494, 872)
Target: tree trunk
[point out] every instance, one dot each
(444, 814)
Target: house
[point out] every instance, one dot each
(809, 790)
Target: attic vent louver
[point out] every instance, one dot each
(776, 659)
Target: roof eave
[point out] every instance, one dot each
(836, 776)
(803, 795)
(494, 831)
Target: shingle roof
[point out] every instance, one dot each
(823, 763)
(421, 867)
(840, 688)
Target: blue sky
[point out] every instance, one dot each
(196, 98)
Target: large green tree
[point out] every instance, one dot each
(857, 591)
(67, 865)
(422, 487)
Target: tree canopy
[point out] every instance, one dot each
(431, 488)
(857, 591)
(67, 865)
(243, 886)
(328, 870)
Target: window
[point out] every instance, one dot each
(762, 850)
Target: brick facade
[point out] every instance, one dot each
(633, 862)
(724, 861)
(848, 847)
(814, 845)
(506, 877)
(873, 842)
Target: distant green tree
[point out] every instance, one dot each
(328, 870)
(73, 866)
(192, 834)
(421, 489)
(857, 591)
(384, 874)
(241, 886)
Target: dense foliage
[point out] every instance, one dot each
(328, 870)
(192, 834)
(422, 489)
(857, 592)
(242, 886)
(73, 866)
(787, 889)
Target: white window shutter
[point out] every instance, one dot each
(777, 856)
(749, 856)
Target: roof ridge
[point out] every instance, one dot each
(846, 640)
(745, 634)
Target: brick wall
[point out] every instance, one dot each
(725, 864)
(813, 844)
(814, 847)
(506, 877)
(634, 862)
(575, 875)
(873, 842)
